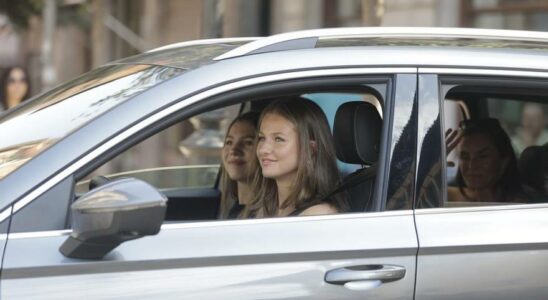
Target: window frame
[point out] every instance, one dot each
(227, 94)
(447, 78)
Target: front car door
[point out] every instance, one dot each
(282, 258)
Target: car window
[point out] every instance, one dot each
(184, 160)
(185, 155)
(496, 143)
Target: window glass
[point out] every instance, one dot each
(184, 161)
(187, 154)
(500, 154)
(525, 122)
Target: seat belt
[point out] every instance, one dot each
(354, 179)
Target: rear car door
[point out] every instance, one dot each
(475, 250)
(346, 256)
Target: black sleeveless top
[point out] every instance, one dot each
(298, 211)
(235, 211)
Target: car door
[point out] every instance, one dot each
(485, 251)
(345, 256)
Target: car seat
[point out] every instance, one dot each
(533, 165)
(357, 130)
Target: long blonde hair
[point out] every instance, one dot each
(317, 172)
(228, 186)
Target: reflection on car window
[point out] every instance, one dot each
(71, 106)
(500, 154)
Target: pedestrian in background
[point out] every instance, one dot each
(14, 88)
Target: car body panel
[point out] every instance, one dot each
(253, 259)
(483, 253)
(399, 170)
(492, 252)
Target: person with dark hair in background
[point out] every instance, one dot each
(15, 87)
(298, 166)
(488, 170)
(238, 164)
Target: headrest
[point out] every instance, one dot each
(357, 132)
(532, 164)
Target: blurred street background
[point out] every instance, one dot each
(57, 40)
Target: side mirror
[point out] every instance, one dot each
(111, 214)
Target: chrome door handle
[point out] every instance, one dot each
(382, 273)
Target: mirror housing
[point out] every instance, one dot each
(111, 214)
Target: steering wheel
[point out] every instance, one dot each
(98, 181)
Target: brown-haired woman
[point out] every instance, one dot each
(239, 163)
(14, 87)
(297, 157)
(488, 169)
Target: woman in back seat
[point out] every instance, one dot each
(488, 169)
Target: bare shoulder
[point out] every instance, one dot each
(319, 209)
(454, 194)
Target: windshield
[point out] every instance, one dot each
(36, 125)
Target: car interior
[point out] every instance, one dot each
(188, 173)
(505, 102)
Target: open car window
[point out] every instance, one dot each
(183, 161)
(185, 155)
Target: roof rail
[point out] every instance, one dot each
(307, 39)
(203, 42)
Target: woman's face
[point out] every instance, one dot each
(480, 162)
(16, 85)
(278, 148)
(239, 151)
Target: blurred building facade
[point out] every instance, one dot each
(87, 34)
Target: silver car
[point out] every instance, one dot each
(89, 211)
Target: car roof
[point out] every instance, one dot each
(186, 55)
(390, 46)
(397, 36)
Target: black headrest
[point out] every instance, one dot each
(357, 132)
(532, 163)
